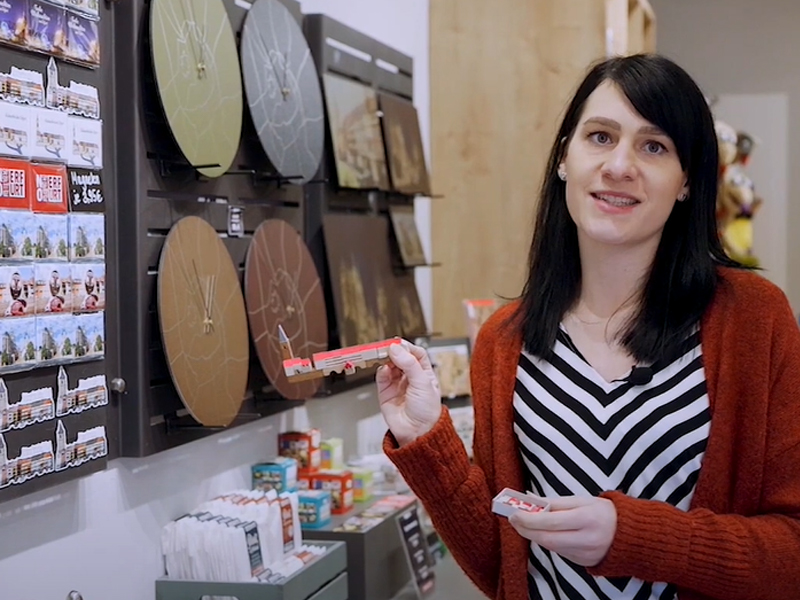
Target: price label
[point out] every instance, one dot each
(235, 221)
(86, 191)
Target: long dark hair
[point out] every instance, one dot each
(683, 276)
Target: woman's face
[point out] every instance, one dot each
(623, 174)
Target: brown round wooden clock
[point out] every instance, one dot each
(203, 322)
(282, 287)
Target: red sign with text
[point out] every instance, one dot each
(14, 184)
(48, 188)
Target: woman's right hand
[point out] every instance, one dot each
(408, 392)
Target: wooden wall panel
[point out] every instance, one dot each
(500, 76)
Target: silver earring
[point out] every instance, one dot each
(682, 197)
(562, 175)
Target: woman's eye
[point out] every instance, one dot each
(600, 137)
(654, 147)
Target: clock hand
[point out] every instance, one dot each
(201, 67)
(189, 284)
(186, 20)
(271, 61)
(286, 89)
(208, 323)
(205, 293)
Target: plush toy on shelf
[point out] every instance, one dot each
(737, 202)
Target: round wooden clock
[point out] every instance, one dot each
(283, 90)
(203, 322)
(282, 287)
(198, 78)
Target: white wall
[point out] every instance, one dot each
(100, 535)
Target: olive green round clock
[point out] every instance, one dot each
(199, 81)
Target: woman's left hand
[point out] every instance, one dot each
(579, 529)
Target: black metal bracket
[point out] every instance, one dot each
(171, 165)
(172, 424)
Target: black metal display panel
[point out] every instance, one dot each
(385, 69)
(156, 189)
(47, 376)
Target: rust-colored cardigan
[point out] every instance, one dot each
(740, 540)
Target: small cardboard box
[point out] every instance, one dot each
(362, 485)
(315, 508)
(303, 446)
(279, 474)
(340, 485)
(332, 454)
(508, 501)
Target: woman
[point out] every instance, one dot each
(642, 384)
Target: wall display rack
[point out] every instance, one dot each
(344, 54)
(151, 183)
(158, 187)
(57, 299)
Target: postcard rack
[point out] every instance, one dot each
(16, 442)
(323, 579)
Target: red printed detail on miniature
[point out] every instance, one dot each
(344, 360)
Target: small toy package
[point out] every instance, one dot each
(315, 508)
(340, 485)
(507, 501)
(332, 454)
(303, 446)
(362, 485)
(279, 474)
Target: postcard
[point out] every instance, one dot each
(55, 334)
(83, 41)
(16, 138)
(13, 18)
(90, 335)
(52, 237)
(53, 288)
(88, 287)
(87, 236)
(17, 343)
(17, 235)
(51, 134)
(17, 291)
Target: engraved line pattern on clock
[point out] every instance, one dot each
(197, 348)
(198, 97)
(280, 274)
(276, 119)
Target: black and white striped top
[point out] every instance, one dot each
(581, 435)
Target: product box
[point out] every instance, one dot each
(362, 485)
(508, 501)
(315, 508)
(86, 147)
(279, 474)
(339, 484)
(303, 446)
(304, 479)
(332, 454)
